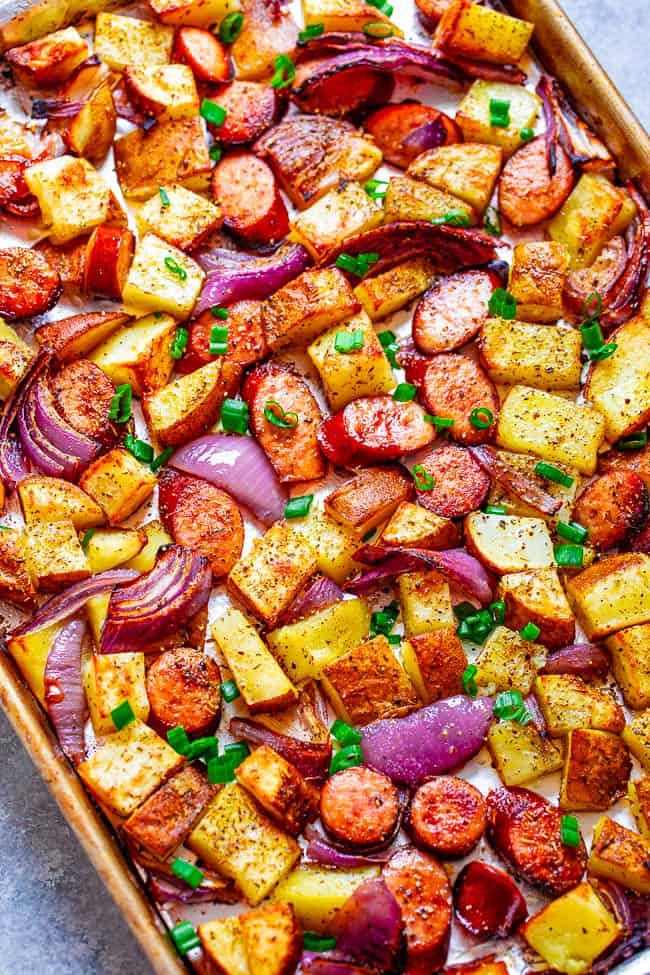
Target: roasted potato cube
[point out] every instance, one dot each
(306, 646)
(121, 41)
(469, 171)
(473, 115)
(128, 766)
(53, 499)
(318, 893)
(193, 13)
(568, 703)
(91, 131)
(242, 843)
(263, 684)
(538, 597)
(341, 213)
(110, 679)
(639, 800)
(370, 498)
(636, 736)
(572, 931)
(14, 136)
(187, 406)
(537, 277)
(435, 663)
(171, 152)
(182, 218)
(470, 31)
(368, 683)
(139, 354)
(16, 585)
(273, 939)
(118, 483)
(386, 293)
(345, 15)
(611, 595)
(597, 767)
(425, 601)
(362, 372)
(15, 359)
(620, 855)
(594, 212)
(630, 653)
(267, 33)
(620, 385)
(306, 306)
(271, 575)
(544, 356)
(162, 278)
(550, 426)
(411, 199)
(30, 653)
(507, 662)
(49, 60)
(415, 527)
(333, 544)
(110, 547)
(520, 753)
(73, 338)
(53, 554)
(223, 944)
(165, 91)
(164, 820)
(506, 543)
(279, 788)
(72, 195)
(155, 538)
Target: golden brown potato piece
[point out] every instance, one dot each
(279, 788)
(71, 338)
(48, 60)
(538, 597)
(620, 855)
(415, 527)
(15, 583)
(419, 884)
(183, 686)
(630, 653)
(536, 281)
(454, 386)
(306, 306)
(611, 594)
(186, 407)
(435, 662)
(171, 152)
(568, 703)
(597, 767)
(272, 939)
(269, 30)
(369, 498)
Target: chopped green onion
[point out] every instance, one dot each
(453, 218)
(314, 30)
(317, 942)
(279, 417)
(383, 620)
(592, 334)
(503, 304)
(184, 937)
(603, 352)
(572, 531)
(203, 748)
(593, 298)
(122, 715)
(186, 871)
(551, 473)
(493, 226)
(358, 265)
(220, 770)
(140, 449)
(469, 683)
(569, 555)
(464, 631)
(344, 733)
(229, 691)
(382, 5)
(174, 268)
(285, 72)
(177, 738)
(161, 459)
(527, 134)
(494, 509)
(376, 188)
(507, 704)
(234, 415)
(570, 831)
(120, 408)
(499, 113)
(216, 152)
(180, 343)
(423, 480)
(346, 758)
(464, 610)
(219, 340)
(217, 312)
(530, 632)
(439, 422)
(298, 507)
(212, 113)
(87, 535)
(405, 392)
(378, 29)
(498, 610)
(394, 639)
(481, 418)
(236, 752)
(345, 342)
(390, 346)
(164, 196)
(634, 441)
(230, 27)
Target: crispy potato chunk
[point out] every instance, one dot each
(268, 31)
(538, 597)
(171, 152)
(595, 211)
(471, 31)
(193, 13)
(306, 306)
(73, 338)
(16, 585)
(279, 788)
(597, 767)
(118, 483)
(537, 355)
(345, 15)
(537, 277)
(110, 547)
(53, 499)
(526, 464)
(162, 822)
(49, 60)
(223, 944)
(620, 855)
(505, 543)
(415, 527)
(362, 372)
(335, 545)
(273, 939)
(179, 216)
(162, 278)
(72, 195)
(341, 213)
(30, 653)
(435, 663)
(473, 114)
(164, 91)
(369, 498)
(53, 554)
(520, 753)
(411, 199)
(612, 594)
(386, 293)
(630, 653)
(468, 171)
(121, 41)
(568, 703)
(139, 354)
(110, 679)
(186, 407)
(15, 359)
(507, 662)
(318, 893)
(639, 800)
(620, 385)
(425, 600)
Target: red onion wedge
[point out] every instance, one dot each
(430, 741)
(58, 432)
(311, 758)
(55, 108)
(167, 889)
(509, 73)
(580, 659)
(584, 149)
(319, 594)
(514, 481)
(463, 570)
(157, 603)
(233, 276)
(66, 603)
(428, 136)
(65, 697)
(14, 465)
(633, 912)
(238, 465)
(368, 927)
(321, 851)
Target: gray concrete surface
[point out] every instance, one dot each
(55, 915)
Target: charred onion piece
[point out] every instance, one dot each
(580, 659)
(514, 481)
(65, 698)
(66, 603)
(311, 758)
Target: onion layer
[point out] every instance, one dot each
(66, 603)
(64, 692)
(319, 594)
(311, 758)
(581, 659)
(515, 481)
(233, 276)
(369, 926)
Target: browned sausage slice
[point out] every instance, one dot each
(28, 285)
(202, 517)
(183, 686)
(459, 484)
(453, 310)
(275, 393)
(528, 193)
(420, 886)
(359, 806)
(252, 109)
(245, 189)
(83, 393)
(391, 125)
(246, 342)
(488, 902)
(206, 56)
(612, 507)
(454, 386)
(447, 816)
(373, 429)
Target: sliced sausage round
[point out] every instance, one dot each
(252, 109)
(183, 686)
(82, 394)
(487, 901)
(246, 342)
(28, 285)
(13, 187)
(374, 429)
(419, 884)
(447, 816)
(391, 126)
(202, 517)
(460, 485)
(277, 395)
(342, 91)
(612, 508)
(245, 189)
(454, 387)
(453, 310)
(205, 55)
(528, 193)
(359, 806)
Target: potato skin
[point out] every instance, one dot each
(183, 689)
(420, 886)
(447, 816)
(279, 787)
(612, 508)
(597, 767)
(369, 498)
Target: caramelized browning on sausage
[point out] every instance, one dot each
(183, 689)
(454, 386)
(252, 109)
(206, 56)
(359, 806)
(447, 816)
(391, 125)
(28, 285)
(374, 429)
(83, 393)
(245, 189)
(612, 508)
(459, 484)
(528, 193)
(246, 343)
(420, 886)
(452, 311)
(487, 901)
